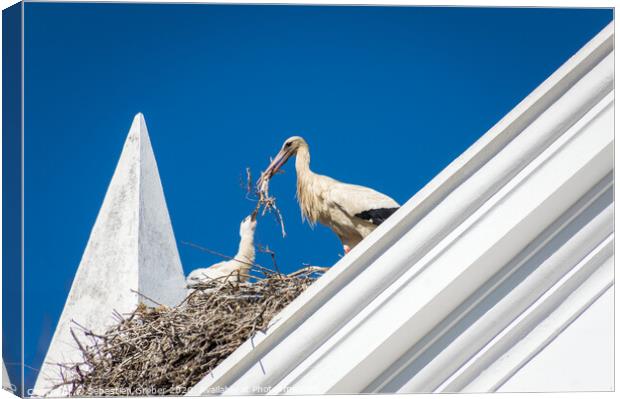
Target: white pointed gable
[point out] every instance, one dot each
(6, 382)
(131, 249)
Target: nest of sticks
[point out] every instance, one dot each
(166, 351)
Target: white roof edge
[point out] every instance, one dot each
(434, 192)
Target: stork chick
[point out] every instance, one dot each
(350, 211)
(236, 269)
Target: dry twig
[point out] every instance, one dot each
(264, 199)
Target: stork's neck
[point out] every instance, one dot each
(302, 163)
(305, 185)
(246, 252)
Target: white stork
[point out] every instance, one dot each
(350, 211)
(236, 269)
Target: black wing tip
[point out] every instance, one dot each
(377, 216)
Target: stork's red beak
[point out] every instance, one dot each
(275, 166)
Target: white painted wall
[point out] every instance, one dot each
(131, 249)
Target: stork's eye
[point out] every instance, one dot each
(288, 144)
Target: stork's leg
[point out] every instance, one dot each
(347, 249)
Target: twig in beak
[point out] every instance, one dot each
(265, 200)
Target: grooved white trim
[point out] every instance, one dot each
(501, 358)
(483, 315)
(569, 307)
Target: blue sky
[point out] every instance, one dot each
(386, 97)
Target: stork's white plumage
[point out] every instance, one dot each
(236, 269)
(349, 210)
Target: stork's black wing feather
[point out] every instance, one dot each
(376, 216)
